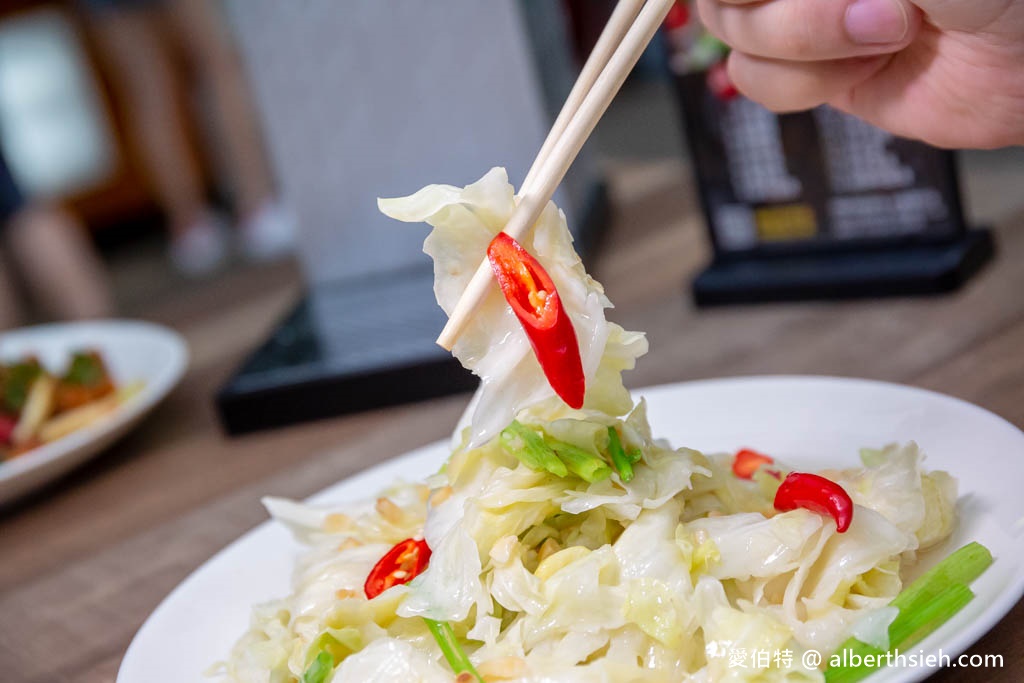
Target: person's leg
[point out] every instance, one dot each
(267, 227)
(11, 202)
(57, 263)
(142, 72)
(10, 307)
(205, 42)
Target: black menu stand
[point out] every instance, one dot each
(820, 205)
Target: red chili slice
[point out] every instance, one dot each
(747, 461)
(7, 425)
(817, 494)
(401, 564)
(530, 292)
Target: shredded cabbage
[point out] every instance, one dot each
(493, 344)
(669, 576)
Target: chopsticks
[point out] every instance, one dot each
(618, 23)
(622, 41)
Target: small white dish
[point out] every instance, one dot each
(810, 422)
(135, 352)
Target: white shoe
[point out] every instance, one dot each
(201, 249)
(269, 233)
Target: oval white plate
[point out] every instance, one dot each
(810, 422)
(133, 351)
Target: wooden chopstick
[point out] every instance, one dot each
(563, 152)
(621, 19)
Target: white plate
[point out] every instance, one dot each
(810, 422)
(133, 351)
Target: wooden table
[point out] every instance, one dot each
(83, 563)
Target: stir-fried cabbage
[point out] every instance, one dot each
(895, 483)
(668, 575)
(493, 344)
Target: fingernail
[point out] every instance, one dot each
(876, 22)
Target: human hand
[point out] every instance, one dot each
(949, 72)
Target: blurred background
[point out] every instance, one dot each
(207, 164)
(213, 166)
